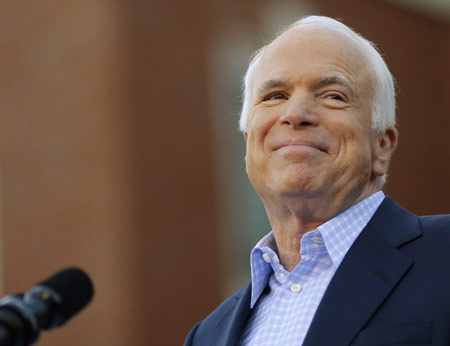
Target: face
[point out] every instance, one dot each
(309, 129)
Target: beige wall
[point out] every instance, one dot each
(106, 150)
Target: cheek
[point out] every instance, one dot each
(352, 144)
(262, 120)
(255, 167)
(360, 154)
(254, 158)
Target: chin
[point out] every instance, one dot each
(294, 186)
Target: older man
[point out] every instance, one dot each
(343, 265)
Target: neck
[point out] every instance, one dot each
(292, 217)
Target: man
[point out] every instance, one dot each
(343, 265)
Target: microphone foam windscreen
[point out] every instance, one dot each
(75, 288)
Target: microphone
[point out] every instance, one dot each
(49, 304)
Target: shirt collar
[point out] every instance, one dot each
(261, 269)
(338, 234)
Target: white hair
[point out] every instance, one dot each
(383, 112)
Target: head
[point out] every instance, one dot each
(383, 113)
(318, 112)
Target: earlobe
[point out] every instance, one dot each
(245, 136)
(384, 148)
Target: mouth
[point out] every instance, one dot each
(299, 144)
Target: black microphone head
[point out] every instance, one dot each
(74, 287)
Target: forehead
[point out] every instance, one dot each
(301, 52)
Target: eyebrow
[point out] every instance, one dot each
(329, 80)
(270, 84)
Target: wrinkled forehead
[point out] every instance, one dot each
(314, 44)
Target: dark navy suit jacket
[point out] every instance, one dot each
(392, 288)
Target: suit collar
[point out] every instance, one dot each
(394, 223)
(370, 270)
(234, 320)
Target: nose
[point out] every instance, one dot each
(299, 113)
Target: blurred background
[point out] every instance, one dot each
(120, 151)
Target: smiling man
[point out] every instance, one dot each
(343, 265)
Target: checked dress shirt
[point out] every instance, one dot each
(284, 303)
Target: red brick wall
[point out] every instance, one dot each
(106, 150)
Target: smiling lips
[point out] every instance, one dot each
(294, 144)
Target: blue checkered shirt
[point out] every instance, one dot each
(283, 304)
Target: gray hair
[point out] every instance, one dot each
(383, 113)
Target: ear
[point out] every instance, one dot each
(385, 146)
(246, 138)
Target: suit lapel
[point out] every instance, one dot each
(232, 323)
(371, 269)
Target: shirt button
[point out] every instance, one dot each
(295, 288)
(317, 239)
(266, 257)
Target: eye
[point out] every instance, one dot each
(334, 99)
(275, 96)
(336, 96)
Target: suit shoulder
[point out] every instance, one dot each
(435, 223)
(226, 305)
(206, 329)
